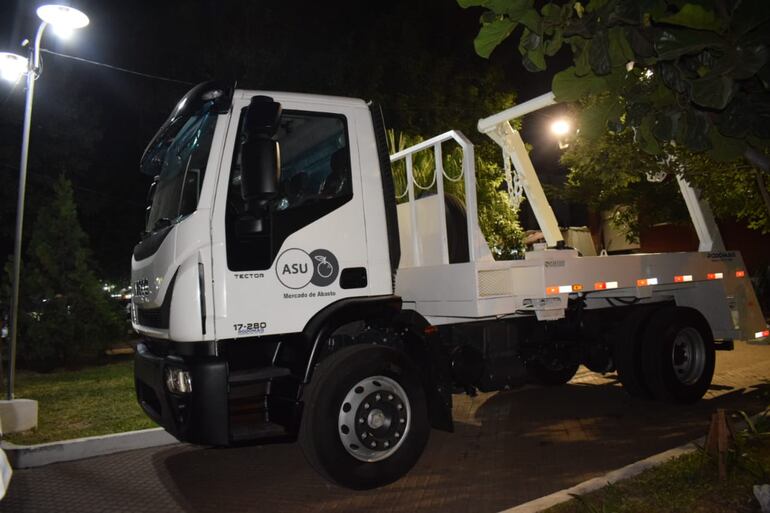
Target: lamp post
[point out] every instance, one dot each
(64, 20)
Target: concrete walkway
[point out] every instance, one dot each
(509, 448)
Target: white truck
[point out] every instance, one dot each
(282, 293)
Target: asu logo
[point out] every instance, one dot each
(295, 268)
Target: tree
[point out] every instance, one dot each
(668, 71)
(611, 173)
(64, 313)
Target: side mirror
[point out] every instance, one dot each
(260, 154)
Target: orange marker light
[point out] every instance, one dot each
(600, 285)
(715, 276)
(577, 287)
(740, 274)
(552, 290)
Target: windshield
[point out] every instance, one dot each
(179, 161)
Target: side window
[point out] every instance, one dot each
(315, 179)
(315, 160)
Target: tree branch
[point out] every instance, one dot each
(758, 158)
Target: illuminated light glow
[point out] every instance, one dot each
(612, 284)
(62, 17)
(682, 278)
(565, 289)
(740, 274)
(64, 33)
(715, 276)
(552, 290)
(646, 281)
(762, 334)
(561, 127)
(577, 287)
(600, 285)
(12, 66)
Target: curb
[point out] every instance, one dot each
(28, 456)
(629, 471)
(634, 469)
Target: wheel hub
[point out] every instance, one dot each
(374, 418)
(688, 356)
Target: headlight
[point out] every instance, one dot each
(178, 380)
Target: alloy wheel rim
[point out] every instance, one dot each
(374, 418)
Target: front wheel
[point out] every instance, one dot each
(365, 422)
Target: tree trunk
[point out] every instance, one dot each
(761, 162)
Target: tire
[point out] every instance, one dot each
(627, 353)
(678, 355)
(334, 428)
(457, 229)
(555, 374)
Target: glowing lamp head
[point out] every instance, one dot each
(63, 32)
(64, 19)
(561, 127)
(12, 66)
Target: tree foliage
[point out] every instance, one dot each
(695, 72)
(64, 314)
(611, 173)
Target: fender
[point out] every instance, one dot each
(325, 322)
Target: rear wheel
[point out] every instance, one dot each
(365, 422)
(678, 355)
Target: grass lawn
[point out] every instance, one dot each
(688, 484)
(87, 402)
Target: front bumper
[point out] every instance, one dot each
(222, 409)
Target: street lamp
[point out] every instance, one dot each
(12, 66)
(561, 128)
(64, 20)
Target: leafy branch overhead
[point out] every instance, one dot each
(692, 73)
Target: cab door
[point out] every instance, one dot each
(306, 247)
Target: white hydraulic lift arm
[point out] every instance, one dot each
(499, 129)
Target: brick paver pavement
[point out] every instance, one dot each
(508, 448)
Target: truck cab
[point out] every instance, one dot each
(224, 285)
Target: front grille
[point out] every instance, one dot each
(156, 317)
(152, 318)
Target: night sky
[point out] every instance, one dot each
(92, 122)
